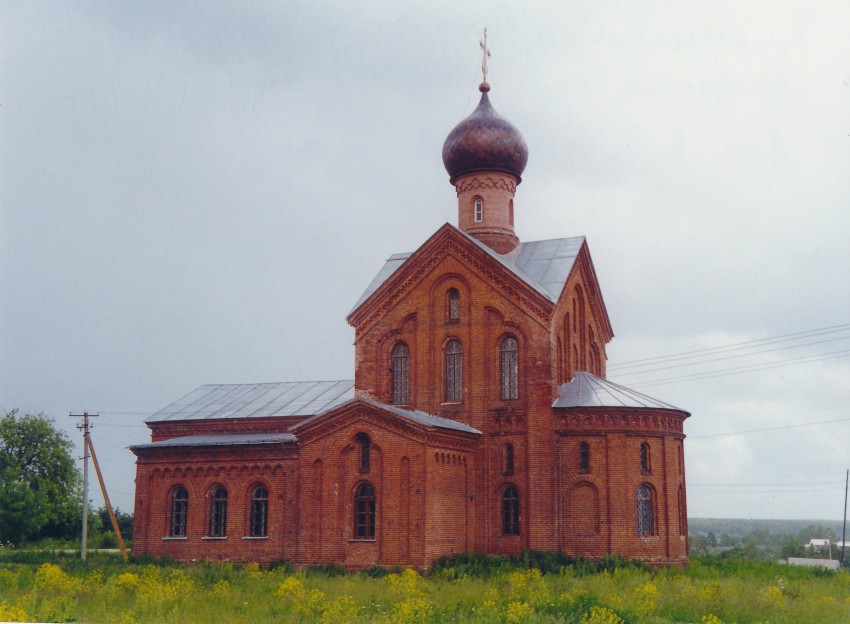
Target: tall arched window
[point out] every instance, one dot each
(365, 447)
(645, 459)
(218, 512)
(509, 459)
(478, 210)
(401, 374)
(178, 511)
(454, 372)
(453, 305)
(645, 511)
(364, 511)
(259, 512)
(510, 511)
(510, 368)
(584, 457)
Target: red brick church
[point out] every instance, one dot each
(479, 418)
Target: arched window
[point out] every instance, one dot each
(218, 512)
(509, 459)
(365, 445)
(178, 510)
(364, 511)
(478, 211)
(401, 374)
(645, 511)
(453, 306)
(645, 459)
(454, 372)
(510, 511)
(511, 212)
(584, 457)
(259, 512)
(510, 368)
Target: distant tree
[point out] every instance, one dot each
(711, 540)
(125, 522)
(39, 480)
(792, 548)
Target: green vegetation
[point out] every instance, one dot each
(53, 587)
(39, 482)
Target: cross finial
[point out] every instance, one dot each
(486, 53)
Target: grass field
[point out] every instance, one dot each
(55, 587)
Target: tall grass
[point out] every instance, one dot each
(533, 588)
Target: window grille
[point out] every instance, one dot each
(364, 512)
(454, 372)
(401, 374)
(510, 368)
(645, 512)
(479, 210)
(218, 512)
(510, 511)
(259, 511)
(179, 509)
(645, 465)
(453, 306)
(365, 445)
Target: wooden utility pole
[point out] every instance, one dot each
(844, 528)
(106, 500)
(85, 429)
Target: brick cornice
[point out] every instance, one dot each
(626, 420)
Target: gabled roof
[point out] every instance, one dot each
(587, 390)
(220, 439)
(416, 416)
(543, 265)
(291, 398)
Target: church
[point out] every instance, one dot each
(479, 418)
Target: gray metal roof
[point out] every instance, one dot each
(543, 265)
(294, 398)
(586, 390)
(221, 439)
(418, 416)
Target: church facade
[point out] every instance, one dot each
(479, 418)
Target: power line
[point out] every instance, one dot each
(739, 345)
(731, 357)
(776, 428)
(744, 369)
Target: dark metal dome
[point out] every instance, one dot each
(484, 141)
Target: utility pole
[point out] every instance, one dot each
(84, 427)
(844, 528)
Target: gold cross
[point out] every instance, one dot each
(486, 52)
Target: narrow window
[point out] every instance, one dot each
(401, 374)
(510, 368)
(510, 511)
(454, 372)
(645, 512)
(259, 512)
(584, 457)
(453, 306)
(511, 212)
(479, 210)
(365, 445)
(364, 512)
(178, 510)
(683, 517)
(645, 465)
(218, 512)
(509, 459)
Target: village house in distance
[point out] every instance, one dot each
(479, 418)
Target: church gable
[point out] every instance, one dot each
(531, 275)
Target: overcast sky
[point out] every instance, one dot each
(198, 193)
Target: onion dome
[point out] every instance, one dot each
(484, 141)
